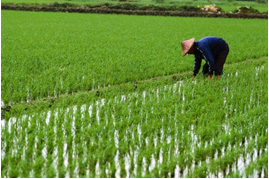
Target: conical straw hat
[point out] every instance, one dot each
(186, 46)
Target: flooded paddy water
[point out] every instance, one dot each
(169, 131)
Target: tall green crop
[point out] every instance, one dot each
(52, 54)
(186, 128)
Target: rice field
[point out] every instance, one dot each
(68, 53)
(99, 96)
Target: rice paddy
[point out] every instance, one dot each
(99, 96)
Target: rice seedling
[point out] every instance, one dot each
(186, 128)
(69, 53)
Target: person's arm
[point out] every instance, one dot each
(197, 65)
(209, 58)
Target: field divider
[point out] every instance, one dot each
(66, 100)
(108, 10)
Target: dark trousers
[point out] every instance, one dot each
(219, 62)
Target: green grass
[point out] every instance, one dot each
(60, 53)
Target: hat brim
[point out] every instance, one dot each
(186, 46)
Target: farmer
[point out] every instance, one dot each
(213, 49)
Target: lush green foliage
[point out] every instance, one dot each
(189, 128)
(59, 53)
(137, 125)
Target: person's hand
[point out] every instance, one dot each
(210, 77)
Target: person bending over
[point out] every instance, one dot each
(213, 49)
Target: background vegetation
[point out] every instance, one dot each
(225, 5)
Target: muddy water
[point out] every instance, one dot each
(97, 170)
(144, 167)
(127, 162)
(152, 164)
(117, 164)
(116, 139)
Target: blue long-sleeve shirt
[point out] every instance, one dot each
(207, 48)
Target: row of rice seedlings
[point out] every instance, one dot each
(48, 121)
(154, 133)
(196, 146)
(37, 63)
